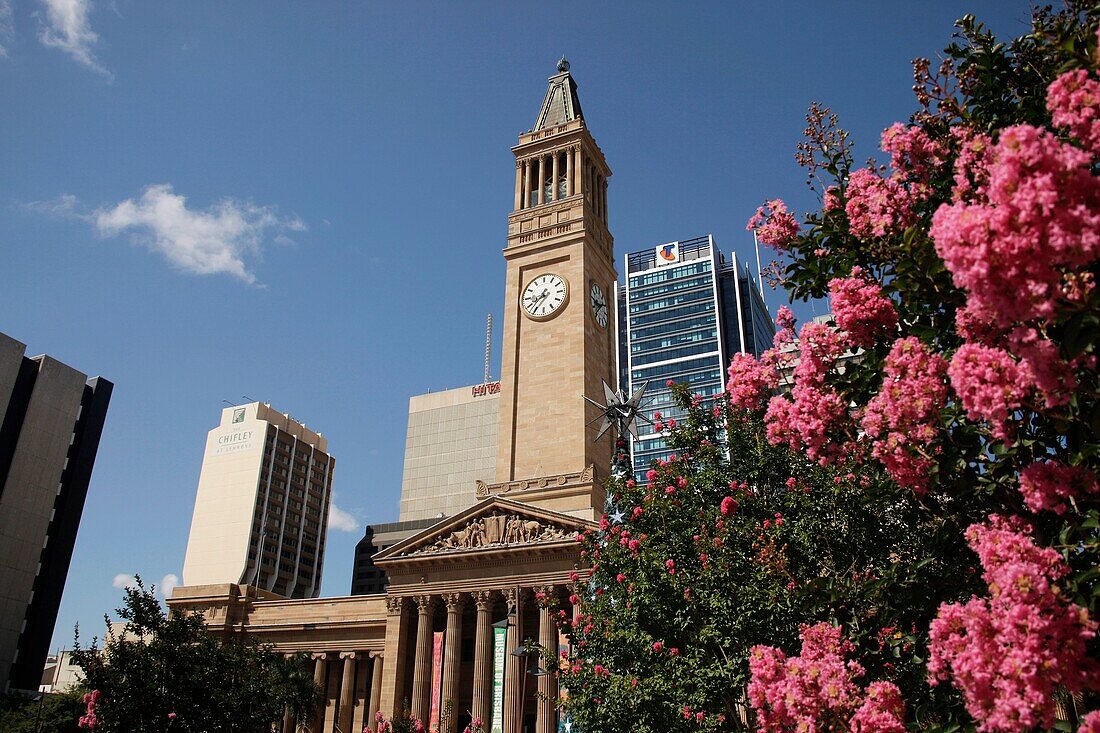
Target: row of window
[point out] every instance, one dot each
(669, 273)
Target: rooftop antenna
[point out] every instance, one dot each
(229, 403)
(246, 397)
(488, 343)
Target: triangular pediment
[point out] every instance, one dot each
(490, 526)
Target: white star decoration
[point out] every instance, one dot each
(620, 412)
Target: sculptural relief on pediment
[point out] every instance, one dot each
(498, 529)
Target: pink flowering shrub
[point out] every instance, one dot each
(89, 719)
(751, 380)
(876, 206)
(913, 154)
(1008, 653)
(773, 224)
(903, 419)
(817, 690)
(861, 309)
(1049, 485)
(1073, 100)
(1041, 215)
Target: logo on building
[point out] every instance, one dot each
(668, 253)
(238, 415)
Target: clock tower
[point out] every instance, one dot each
(559, 338)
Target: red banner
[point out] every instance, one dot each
(437, 681)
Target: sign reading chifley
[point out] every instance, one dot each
(667, 254)
(498, 681)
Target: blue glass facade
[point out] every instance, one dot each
(684, 311)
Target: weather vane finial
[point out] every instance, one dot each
(563, 65)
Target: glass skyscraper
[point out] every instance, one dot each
(685, 310)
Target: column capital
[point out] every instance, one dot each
(318, 655)
(425, 602)
(376, 654)
(513, 597)
(347, 655)
(454, 601)
(483, 599)
(395, 605)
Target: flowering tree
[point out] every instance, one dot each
(166, 673)
(908, 501)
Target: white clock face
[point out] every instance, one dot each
(545, 295)
(599, 305)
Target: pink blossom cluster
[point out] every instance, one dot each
(861, 309)
(805, 422)
(913, 154)
(751, 380)
(786, 334)
(876, 206)
(1073, 100)
(817, 690)
(972, 162)
(1090, 723)
(774, 224)
(1008, 653)
(90, 719)
(1049, 484)
(902, 420)
(989, 383)
(1044, 368)
(1040, 216)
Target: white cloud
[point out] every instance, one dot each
(340, 520)
(168, 583)
(65, 206)
(124, 580)
(210, 242)
(7, 31)
(68, 29)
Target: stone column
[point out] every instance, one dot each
(569, 182)
(527, 184)
(362, 693)
(288, 721)
(422, 666)
(556, 173)
(393, 671)
(377, 662)
(319, 683)
(603, 199)
(452, 658)
(347, 693)
(483, 663)
(578, 171)
(519, 183)
(513, 665)
(542, 178)
(546, 721)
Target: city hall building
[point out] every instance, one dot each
(465, 591)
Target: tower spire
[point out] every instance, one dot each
(561, 104)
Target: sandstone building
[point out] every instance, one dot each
(505, 559)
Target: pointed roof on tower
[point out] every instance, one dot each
(561, 104)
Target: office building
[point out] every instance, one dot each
(451, 442)
(685, 310)
(52, 419)
(262, 504)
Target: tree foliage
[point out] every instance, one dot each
(895, 523)
(166, 672)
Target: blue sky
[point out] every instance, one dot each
(305, 203)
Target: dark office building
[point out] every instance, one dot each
(51, 418)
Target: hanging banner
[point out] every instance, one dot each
(498, 681)
(437, 681)
(563, 694)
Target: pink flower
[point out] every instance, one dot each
(658, 646)
(1090, 723)
(750, 381)
(883, 711)
(728, 506)
(972, 161)
(774, 225)
(988, 381)
(913, 154)
(1008, 653)
(902, 420)
(1074, 103)
(1047, 485)
(1040, 215)
(861, 309)
(877, 207)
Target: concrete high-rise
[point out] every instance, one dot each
(52, 419)
(684, 312)
(262, 504)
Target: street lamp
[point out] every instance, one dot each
(521, 653)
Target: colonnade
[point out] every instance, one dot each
(351, 684)
(557, 174)
(506, 607)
